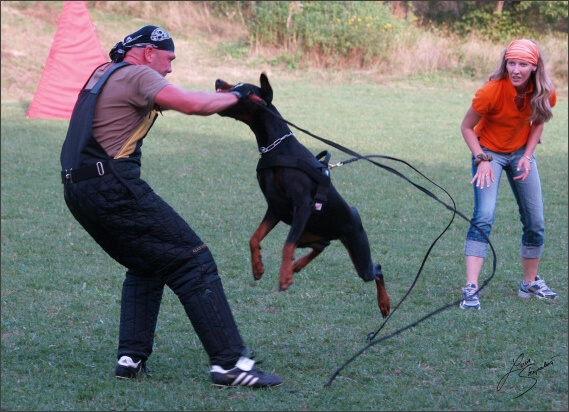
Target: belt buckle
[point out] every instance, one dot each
(100, 168)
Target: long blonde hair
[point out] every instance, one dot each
(543, 87)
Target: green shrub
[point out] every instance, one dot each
(355, 31)
(364, 33)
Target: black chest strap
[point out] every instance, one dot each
(313, 167)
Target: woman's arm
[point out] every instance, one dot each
(484, 172)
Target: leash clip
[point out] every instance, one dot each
(335, 165)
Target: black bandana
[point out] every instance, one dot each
(145, 36)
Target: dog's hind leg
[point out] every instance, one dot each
(268, 223)
(357, 244)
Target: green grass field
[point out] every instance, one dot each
(61, 293)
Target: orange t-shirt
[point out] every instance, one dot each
(503, 128)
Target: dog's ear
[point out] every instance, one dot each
(266, 89)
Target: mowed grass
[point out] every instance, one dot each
(61, 293)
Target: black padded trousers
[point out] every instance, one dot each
(142, 232)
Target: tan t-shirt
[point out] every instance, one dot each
(124, 106)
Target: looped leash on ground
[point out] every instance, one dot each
(356, 157)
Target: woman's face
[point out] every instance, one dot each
(519, 72)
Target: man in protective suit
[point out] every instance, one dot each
(101, 160)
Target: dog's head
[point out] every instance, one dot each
(257, 97)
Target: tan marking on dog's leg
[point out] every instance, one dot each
(255, 247)
(303, 261)
(382, 298)
(285, 274)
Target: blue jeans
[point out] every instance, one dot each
(528, 198)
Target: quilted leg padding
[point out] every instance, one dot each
(141, 231)
(140, 304)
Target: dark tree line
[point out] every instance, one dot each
(488, 17)
(491, 19)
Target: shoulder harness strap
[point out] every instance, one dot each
(97, 88)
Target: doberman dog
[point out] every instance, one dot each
(298, 191)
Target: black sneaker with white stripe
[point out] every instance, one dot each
(130, 367)
(243, 374)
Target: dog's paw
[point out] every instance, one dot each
(284, 286)
(258, 271)
(258, 268)
(285, 282)
(385, 310)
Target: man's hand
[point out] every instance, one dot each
(240, 91)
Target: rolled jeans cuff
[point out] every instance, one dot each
(475, 248)
(531, 251)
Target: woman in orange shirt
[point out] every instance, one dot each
(502, 129)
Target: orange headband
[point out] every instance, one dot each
(524, 50)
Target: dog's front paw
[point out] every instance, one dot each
(258, 268)
(258, 271)
(285, 280)
(284, 286)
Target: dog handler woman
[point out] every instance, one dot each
(502, 129)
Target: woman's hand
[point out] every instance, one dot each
(525, 165)
(484, 175)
